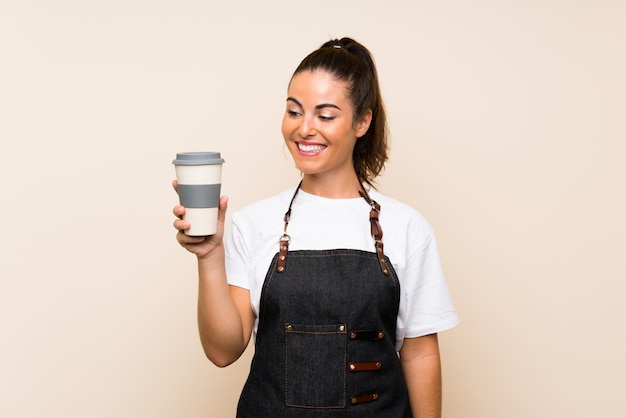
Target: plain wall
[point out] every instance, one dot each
(508, 134)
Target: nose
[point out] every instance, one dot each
(306, 128)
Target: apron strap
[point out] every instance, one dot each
(286, 239)
(376, 231)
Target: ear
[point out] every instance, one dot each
(363, 124)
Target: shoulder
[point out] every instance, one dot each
(400, 214)
(264, 210)
(256, 225)
(405, 230)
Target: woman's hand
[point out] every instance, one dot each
(202, 247)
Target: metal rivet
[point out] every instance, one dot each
(375, 396)
(381, 335)
(288, 327)
(353, 400)
(352, 366)
(386, 271)
(282, 257)
(352, 335)
(281, 268)
(342, 328)
(379, 365)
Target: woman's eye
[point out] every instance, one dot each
(292, 113)
(326, 118)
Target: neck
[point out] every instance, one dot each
(332, 188)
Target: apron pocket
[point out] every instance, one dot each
(315, 372)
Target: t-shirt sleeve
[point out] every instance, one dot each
(429, 307)
(237, 257)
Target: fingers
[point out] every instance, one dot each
(181, 225)
(185, 240)
(179, 211)
(175, 185)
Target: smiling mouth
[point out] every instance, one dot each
(311, 148)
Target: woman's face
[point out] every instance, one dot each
(318, 125)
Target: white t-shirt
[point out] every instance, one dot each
(319, 223)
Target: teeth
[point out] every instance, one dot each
(310, 148)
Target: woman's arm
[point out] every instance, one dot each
(225, 316)
(422, 371)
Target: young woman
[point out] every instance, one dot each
(343, 325)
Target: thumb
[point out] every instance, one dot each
(221, 214)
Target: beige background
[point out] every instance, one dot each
(508, 135)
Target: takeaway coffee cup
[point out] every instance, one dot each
(199, 176)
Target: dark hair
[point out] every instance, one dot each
(349, 61)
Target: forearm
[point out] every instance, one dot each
(219, 321)
(422, 371)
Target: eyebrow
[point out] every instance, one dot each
(319, 106)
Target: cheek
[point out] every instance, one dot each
(286, 127)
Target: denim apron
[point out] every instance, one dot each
(325, 343)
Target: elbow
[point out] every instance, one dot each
(222, 360)
(223, 352)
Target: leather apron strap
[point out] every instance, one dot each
(376, 231)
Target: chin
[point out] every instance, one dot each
(305, 170)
